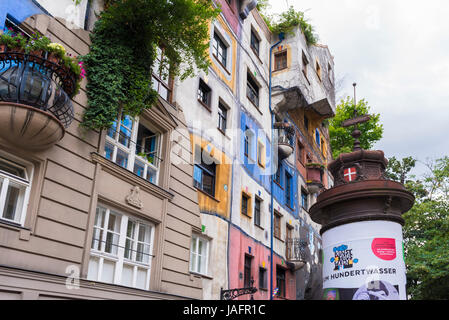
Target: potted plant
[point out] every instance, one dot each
(37, 47)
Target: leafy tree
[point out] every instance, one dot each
(426, 229)
(341, 139)
(399, 170)
(123, 51)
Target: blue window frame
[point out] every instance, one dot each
(288, 190)
(317, 137)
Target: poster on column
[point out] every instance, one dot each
(364, 261)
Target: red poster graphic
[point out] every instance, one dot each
(384, 248)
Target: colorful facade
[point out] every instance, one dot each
(205, 207)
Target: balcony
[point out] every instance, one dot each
(286, 133)
(314, 177)
(35, 104)
(296, 252)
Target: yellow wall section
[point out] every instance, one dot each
(231, 83)
(289, 59)
(220, 204)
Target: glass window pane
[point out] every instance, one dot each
(163, 92)
(124, 136)
(193, 262)
(151, 175)
(143, 253)
(111, 245)
(13, 203)
(127, 275)
(122, 158)
(8, 167)
(128, 249)
(112, 130)
(139, 168)
(144, 233)
(92, 271)
(108, 271)
(141, 280)
(208, 184)
(96, 239)
(108, 150)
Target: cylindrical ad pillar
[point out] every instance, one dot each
(361, 227)
(364, 261)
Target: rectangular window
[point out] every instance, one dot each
(252, 90)
(199, 252)
(15, 182)
(222, 116)
(304, 199)
(262, 278)
(280, 60)
(133, 146)
(161, 81)
(318, 69)
(317, 138)
(280, 281)
(248, 137)
(255, 42)
(247, 277)
(261, 154)
(277, 224)
(245, 204)
(219, 49)
(306, 123)
(301, 152)
(288, 190)
(257, 213)
(204, 93)
(204, 175)
(121, 250)
(305, 62)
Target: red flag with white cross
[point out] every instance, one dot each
(350, 174)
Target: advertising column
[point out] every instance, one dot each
(364, 261)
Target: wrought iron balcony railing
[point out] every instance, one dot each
(296, 250)
(38, 83)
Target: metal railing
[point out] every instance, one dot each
(27, 80)
(296, 249)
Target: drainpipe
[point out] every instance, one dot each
(281, 37)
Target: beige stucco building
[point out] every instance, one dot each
(79, 222)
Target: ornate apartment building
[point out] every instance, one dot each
(89, 215)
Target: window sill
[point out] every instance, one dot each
(256, 106)
(205, 106)
(276, 70)
(13, 225)
(221, 64)
(257, 55)
(279, 238)
(208, 195)
(246, 215)
(200, 275)
(223, 133)
(259, 226)
(130, 176)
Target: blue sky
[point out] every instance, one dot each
(398, 53)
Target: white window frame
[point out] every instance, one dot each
(22, 183)
(196, 255)
(131, 151)
(119, 258)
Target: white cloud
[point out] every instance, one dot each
(398, 53)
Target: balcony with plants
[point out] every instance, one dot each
(38, 79)
(314, 177)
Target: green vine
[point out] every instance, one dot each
(287, 21)
(123, 49)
